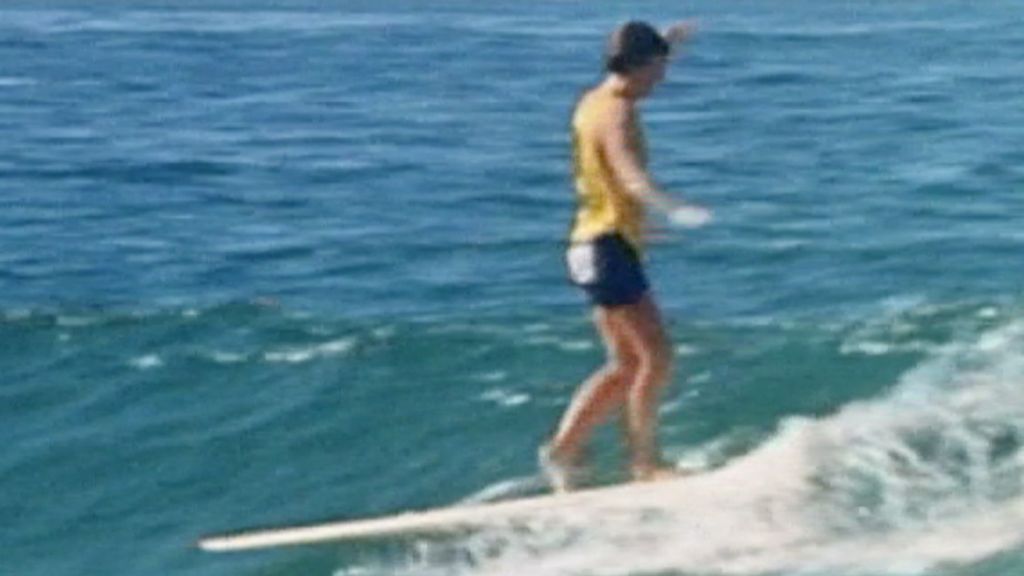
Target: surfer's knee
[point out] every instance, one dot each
(655, 364)
(624, 365)
(648, 343)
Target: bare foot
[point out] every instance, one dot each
(563, 474)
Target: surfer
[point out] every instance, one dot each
(613, 188)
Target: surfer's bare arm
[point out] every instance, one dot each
(623, 155)
(679, 32)
(624, 158)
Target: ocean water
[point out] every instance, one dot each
(267, 263)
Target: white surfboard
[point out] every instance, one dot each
(441, 520)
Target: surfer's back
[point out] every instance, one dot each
(604, 207)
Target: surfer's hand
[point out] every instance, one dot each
(679, 32)
(689, 216)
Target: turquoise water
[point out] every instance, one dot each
(291, 262)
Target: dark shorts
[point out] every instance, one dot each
(608, 269)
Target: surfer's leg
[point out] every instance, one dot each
(643, 328)
(603, 393)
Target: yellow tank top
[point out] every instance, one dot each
(603, 206)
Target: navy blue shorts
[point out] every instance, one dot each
(608, 269)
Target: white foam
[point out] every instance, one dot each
(895, 485)
(494, 376)
(299, 355)
(147, 362)
(867, 348)
(565, 344)
(685, 350)
(77, 321)
(511, 488)
(699, 378)
(221, 357)
(12, 82)
(505, 398)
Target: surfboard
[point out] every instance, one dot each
(440, 520)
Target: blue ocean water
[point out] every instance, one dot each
(280, 262)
